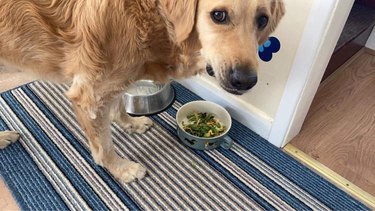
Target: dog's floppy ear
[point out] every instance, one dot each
(181, 14)
(277, 10)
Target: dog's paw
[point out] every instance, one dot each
(7, 138)
(130, 171)
(137, 124)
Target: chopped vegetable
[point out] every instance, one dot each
(194, 164)
(203, 125)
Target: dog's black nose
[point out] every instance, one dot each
(241, 78)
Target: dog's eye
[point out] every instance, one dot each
(262, 22)
(219, 17)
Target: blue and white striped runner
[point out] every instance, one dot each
(50, 168)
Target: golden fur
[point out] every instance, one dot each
(101, 46)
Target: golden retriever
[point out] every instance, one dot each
(101, 46)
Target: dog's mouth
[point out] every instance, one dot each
(210, 72)
(232, 91)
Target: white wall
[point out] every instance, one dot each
(258, 108)
(371, 41)
(276, 107)
(321, 35)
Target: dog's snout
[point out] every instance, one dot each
(242, 78)
(210, 70)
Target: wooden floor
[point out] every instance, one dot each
(339, 130)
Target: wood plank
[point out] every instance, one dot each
(339, 130)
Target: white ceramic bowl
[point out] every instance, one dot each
(201, 143)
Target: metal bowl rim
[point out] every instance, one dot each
(172, 99)
(165, 86)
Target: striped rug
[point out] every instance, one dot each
(50, 168)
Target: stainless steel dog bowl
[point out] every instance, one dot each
(146, 97)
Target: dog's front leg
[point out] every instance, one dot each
(130, 124)
(92, 111)
(7, 138)
(162, 72)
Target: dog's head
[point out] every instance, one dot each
(230, 32)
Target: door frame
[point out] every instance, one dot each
(322, 31)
